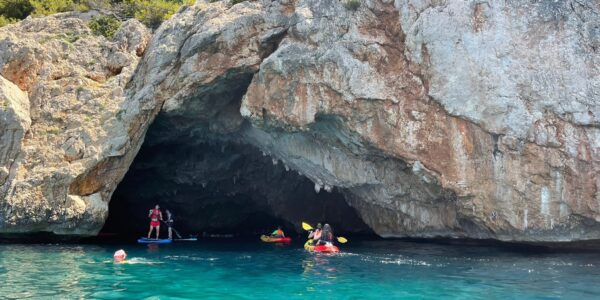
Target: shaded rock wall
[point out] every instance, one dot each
(221, 186)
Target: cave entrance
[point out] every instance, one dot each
(218, 184)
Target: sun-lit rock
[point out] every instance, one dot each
(64, 114)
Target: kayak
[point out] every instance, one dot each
(153, 241)
(186, 240)
(268, 239)
(321, 248)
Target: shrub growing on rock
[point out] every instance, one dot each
(150, 12)
(49, 7)
(15, 9)
(104, 25)
(5, 21)
(153, 12)
(352, 4)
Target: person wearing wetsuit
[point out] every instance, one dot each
(169, 223)
(155, 216)
(278, 233)
(326, 236)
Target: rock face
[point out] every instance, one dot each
(68, 133)
(456, 119)
(492, 108)
(432, 118)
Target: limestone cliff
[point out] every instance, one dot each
(432, 118)
(68, 133)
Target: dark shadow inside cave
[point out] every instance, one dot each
(220, 186)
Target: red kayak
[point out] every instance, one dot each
(327, 249)
(321, 248)
(268, 239)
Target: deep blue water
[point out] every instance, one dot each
(254, 270)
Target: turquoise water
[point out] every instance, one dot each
(253, 270)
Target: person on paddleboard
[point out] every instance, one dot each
(170, 221)
(326, 237)
(278, 233)
(155, 216)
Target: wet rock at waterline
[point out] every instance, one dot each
(453, 119)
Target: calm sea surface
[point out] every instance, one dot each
(254, 270)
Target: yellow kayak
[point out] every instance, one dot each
(268, 239)
(309, 245)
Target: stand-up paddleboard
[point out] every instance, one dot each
(192, 239)
(153, 241)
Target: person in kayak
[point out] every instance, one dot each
(326, 237)
(155, 216)
(278, 233)
(169, 223)
(315, 235)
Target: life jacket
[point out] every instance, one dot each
(155, 215)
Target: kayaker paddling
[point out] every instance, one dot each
(324, 243)
(155, 216)
(315, 235)
(326, 236)
(278, 233)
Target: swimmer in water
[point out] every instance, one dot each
(120, 256)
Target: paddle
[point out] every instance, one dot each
(176, 233)
(307, 227)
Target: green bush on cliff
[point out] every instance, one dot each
(352, 4)
(15, 9)
(150, 12)
(49, 7)
(104, 25)
(153, 12)
(5, 21)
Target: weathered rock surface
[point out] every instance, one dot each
(456, 119)
(68, 133)
(494, 105)
(433, 118)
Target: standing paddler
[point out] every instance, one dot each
(155, 216)
(169, 223)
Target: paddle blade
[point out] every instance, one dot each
(306, 226)
(342, 239)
